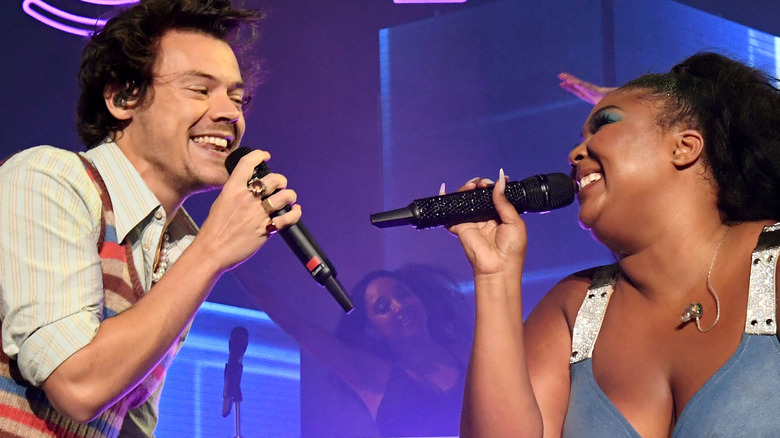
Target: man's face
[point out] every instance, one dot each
(191, 118)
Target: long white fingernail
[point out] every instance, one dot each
(475, 179)
(501, 181)
(442, 189)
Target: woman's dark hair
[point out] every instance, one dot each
(449, 315)
(123, 54)
(737, 110)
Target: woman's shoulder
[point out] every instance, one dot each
(572, 288)
(565, 298)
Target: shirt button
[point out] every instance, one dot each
(158, 215)
(146, 248)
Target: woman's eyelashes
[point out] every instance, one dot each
(602, 118)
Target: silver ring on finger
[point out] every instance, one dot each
(256, 186)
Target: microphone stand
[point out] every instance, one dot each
(232, 394)
(233, 370)
(238, 419)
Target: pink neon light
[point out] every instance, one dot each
(27, 6)
(110, 2)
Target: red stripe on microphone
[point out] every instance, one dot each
(313, 263)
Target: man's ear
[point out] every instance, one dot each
(122, 108)
(689, 146)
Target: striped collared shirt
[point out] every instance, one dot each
(51, 290)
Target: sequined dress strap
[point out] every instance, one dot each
(591, 313)
(761, 316)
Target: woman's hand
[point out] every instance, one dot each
(498, 398)
(493, 247)
(586, 91)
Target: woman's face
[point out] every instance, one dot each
(624, 163)
(394, 310)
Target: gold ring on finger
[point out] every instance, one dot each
(267, 205)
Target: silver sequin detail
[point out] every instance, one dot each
(761, 316)
(591, 313)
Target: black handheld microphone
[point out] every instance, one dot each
(300, 241)
(239, 339)
(539, 193)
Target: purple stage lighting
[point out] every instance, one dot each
(398, 2)
(65, 21)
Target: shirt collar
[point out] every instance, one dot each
(131, 198)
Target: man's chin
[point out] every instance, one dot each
(209, 185)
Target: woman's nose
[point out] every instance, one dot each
(395, 308)
(579, 153)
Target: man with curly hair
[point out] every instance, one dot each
(101, 269)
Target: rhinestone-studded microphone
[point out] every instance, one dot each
(539, 193)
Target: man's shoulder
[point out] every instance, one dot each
(48, 171)
(42, 157)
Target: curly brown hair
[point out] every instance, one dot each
(123, 54)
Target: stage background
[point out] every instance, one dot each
(368, 105)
